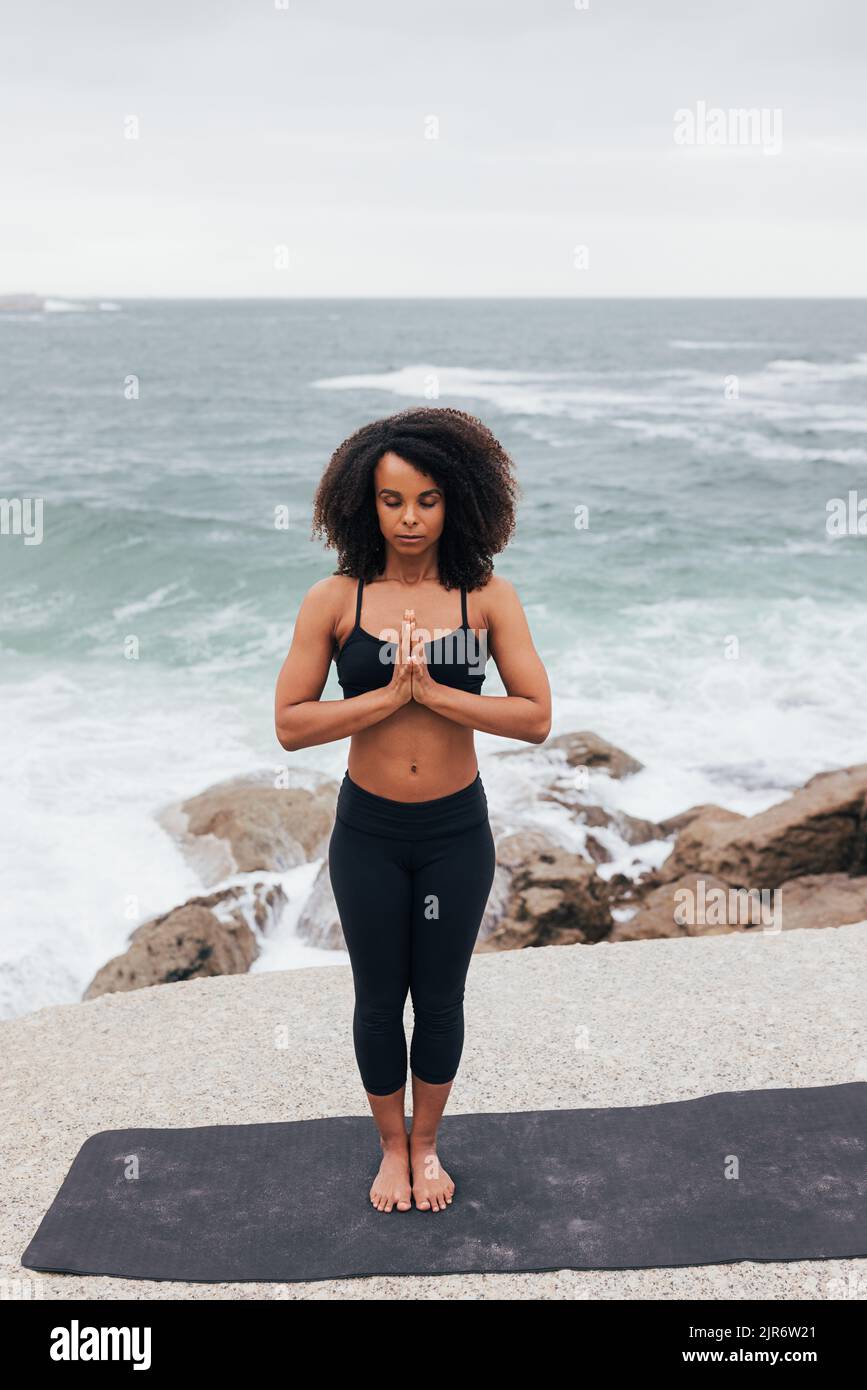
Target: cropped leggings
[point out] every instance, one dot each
(411, 880)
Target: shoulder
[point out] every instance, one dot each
(328, 591)
(327, 598)
(332, 586)
(497, 599)
(498, 586)
(499, 592)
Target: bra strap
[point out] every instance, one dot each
(358, 601)
(464, 605)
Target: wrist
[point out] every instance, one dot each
(435, 695)
(391, 696)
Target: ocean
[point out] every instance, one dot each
(704, 619)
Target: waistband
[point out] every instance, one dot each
(411, 820)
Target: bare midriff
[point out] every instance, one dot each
(413, 755)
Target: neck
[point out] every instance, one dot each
(405, 569)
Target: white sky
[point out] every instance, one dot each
(305, 126)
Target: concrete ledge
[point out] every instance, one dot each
(556, 1027)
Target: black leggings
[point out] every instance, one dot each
(411, 880)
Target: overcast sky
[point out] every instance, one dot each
(304, 127)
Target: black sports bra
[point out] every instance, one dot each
(364, 662)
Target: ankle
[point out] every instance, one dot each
(394, 1143)
(418, 1137)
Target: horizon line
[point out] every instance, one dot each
(437, 298)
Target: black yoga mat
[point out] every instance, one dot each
(740, 1175)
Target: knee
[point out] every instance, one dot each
(439, 1017)
(379, 1016)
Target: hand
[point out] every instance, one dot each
(424, 687)
(400, 685)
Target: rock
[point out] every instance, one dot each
(634, 830)
(209, 935)
(662, 911)
(556, 898)
(517, 850)
(823, 900)
(585, 749)
(816, 900)
(674, 824)
(631, 829)
(319, 922)
(247, 824)
(818, 830)
(597, 850)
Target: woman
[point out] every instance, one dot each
(415, 505)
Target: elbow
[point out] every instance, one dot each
(540, 732)
(287, 733)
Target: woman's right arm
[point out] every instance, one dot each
(301, 719)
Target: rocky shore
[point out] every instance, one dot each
(800, 864)
(21, 303)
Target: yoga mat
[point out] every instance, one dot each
(626, 1187)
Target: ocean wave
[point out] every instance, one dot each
(805, 369)
(774, 451)
(26, 609)
(158, 598)
(84, 858)
(713, 344)
(63, 306)
(412, 379)
(719, 437)
(521, 393)
(691, 410)
(661, 688)
(827, 425)
(587, 396)
(655, 431)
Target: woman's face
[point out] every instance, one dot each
(408, 504)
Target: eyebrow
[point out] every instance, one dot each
(397, 492)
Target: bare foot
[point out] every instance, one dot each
(432, 1187)
(391, 1184)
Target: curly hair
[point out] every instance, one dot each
(460, 453)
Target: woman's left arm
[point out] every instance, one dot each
(525, 712)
